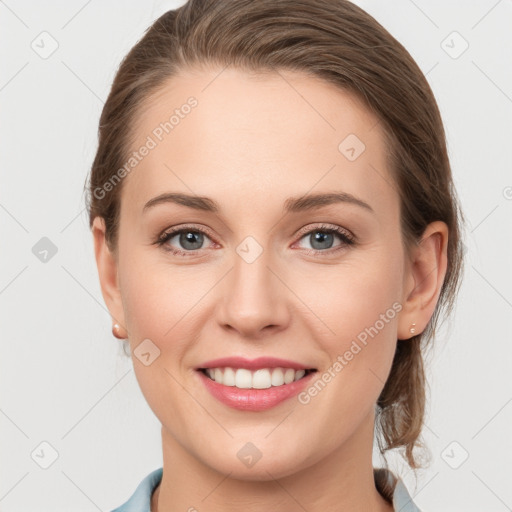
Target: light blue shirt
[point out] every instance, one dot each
(140, 500)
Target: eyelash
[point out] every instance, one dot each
(346, 238)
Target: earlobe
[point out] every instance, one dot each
(107, 265)
(425, 276)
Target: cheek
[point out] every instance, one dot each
(153, 293)
(344, 300)
(362, 309)
(155, 311)
(356, 308)
(161, 303)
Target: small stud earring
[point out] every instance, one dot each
(413, 328)
(115, 331)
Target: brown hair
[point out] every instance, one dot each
(340, 43)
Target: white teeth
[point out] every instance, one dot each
(289, 375)
(260, 379)
(243, 378)
(229, 377)
(277, 378)
(299, 374)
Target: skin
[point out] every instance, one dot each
(252, 142)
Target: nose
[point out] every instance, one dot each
(254, 298)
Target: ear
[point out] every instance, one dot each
(426, 270)
(106, 261)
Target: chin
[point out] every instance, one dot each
(245, 461)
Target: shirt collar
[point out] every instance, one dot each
(393, 489)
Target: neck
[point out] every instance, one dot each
(343, 480)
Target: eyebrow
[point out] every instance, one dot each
(291, 205)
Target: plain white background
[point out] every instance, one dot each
(64, 378)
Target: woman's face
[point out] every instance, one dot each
(261, 275)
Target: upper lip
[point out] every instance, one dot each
(253, 364)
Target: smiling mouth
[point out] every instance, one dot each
(263, 378)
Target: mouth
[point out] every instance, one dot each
(263, 378)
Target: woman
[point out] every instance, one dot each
(276, 233)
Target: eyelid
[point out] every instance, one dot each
(191, 227)
(322, 226)
(171, 232)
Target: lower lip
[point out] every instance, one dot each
(254, 399)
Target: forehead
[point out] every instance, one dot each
(246, 135)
